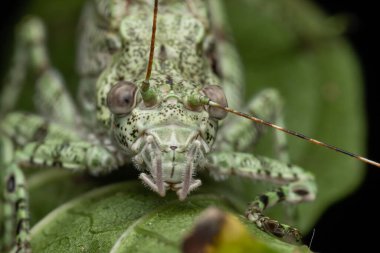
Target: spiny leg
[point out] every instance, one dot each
(77, 156)
(38, 142)
(30, 140)
(52, 99)
(297, 186)
(15, 222)
(240, 134)
(15, 209)
(74, 156)
(22, 128)
(296, 192)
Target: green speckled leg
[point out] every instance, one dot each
(18, 129)
(77, 156)
(297, 186)
(23, 128)
(52, 99)
(31, 141)
(38, 142)
(15, 209)
(15, 221)
(240, 134)
(71, 156)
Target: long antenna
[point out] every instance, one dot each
(363, 159)
(145, 85)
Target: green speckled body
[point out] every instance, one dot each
(186, 55)
(169, 138)
(189, 47)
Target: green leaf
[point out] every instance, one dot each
(126, 217)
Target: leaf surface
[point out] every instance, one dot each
(126, 217)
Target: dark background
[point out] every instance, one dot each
(354, 221)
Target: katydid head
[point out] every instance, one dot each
(169, 137)
(164, 129)
(158, 124)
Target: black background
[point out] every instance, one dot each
(352, 224)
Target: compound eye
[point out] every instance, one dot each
(216, 94)
(121, 98)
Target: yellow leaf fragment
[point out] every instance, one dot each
(219, 232)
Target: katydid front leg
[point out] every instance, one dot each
(32, 141)
(297, 186)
